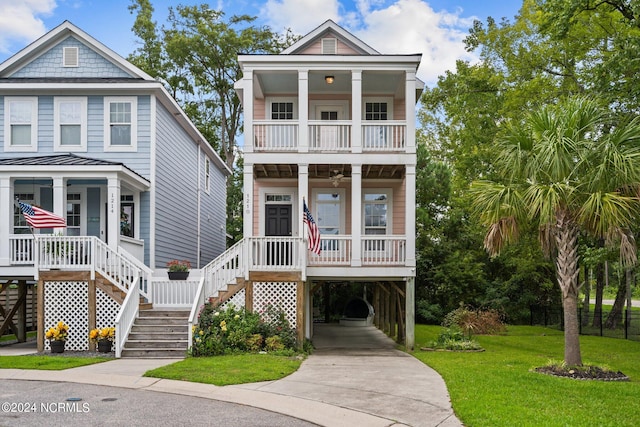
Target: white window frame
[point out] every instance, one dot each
(389, 193)
(33, 100)
(207, 175)
(108, 100)
(81, 202)
(378, 99)
(296, 216)
(329, 244)
(317, 107)
(57, 134)
(277, 100)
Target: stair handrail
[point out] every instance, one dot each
(198, 301)
(116, 268)
(146, 290)
(224, 269)
(127, 315)
(219, 272)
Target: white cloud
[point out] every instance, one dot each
(405, 26)
(19, 20)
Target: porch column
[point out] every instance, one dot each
(247, 211)
(410, 215)
(247, 85)
(113, 215)
(410, 112)
(356, 215)
(356, 111)
(60, 200)
(303, 111)
(6, 219)
(410, 316)
(303, 193)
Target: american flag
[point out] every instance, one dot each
(39, 218)
(314, 232)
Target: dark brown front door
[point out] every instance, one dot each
(278, 223)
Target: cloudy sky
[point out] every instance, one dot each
(434, 28)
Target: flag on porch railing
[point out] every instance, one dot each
(39, 218)
(314, 232)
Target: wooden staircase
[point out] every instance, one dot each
(117, 294)
(158, 334)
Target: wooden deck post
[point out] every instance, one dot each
(21, 333)
(300, 313)
(248, 296)
(40, 335)
(392, 312)
(92, 310)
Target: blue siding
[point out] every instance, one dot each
(213, 225)
(90, 64)
(145, 224)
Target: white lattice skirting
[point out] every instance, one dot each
(237, 300)
(281, 295)
(69, 302)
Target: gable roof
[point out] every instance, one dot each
(330, 28)
(56, 35)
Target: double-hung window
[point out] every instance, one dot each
(376, 211)
(20, 123)
(120, 123)
(207, 175)
(329, 208)
(70, 124)
(73, 214)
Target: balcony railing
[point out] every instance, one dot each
(333, 136)
(336, 250)
(384, 136)
(329, 137)
(384, 250)
(21, 249)
(275, 253)
(270, 136)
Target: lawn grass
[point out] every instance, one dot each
(48, 363)
(229, 369)
(497, 387)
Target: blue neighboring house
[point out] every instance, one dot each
(87, 135)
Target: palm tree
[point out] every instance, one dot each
(568, 169)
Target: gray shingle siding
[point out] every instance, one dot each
(90, 64)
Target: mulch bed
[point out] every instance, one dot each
(583, 373)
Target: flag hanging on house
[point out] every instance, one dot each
(314, 232)
(39, 218)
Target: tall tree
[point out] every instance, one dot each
(561, 172)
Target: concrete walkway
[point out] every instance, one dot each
(355, 377)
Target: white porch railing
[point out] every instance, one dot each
(146, 288)
(270, 136)
(384, 136)
(64, 252)
(21, 249)
(115, 267)
(174, 293)
(336, 250)
(126, 316)
(273, 253)
(335, 136)
(384, 250)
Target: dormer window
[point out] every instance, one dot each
(70, 57)
(329, 46)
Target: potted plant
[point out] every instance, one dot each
(178, 270)
(104, 337)
(57, 335)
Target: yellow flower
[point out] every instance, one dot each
(237, 316)
(223, 329)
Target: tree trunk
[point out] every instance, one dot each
(587, 296)
(567, 271)
(597, 309)
(615, 315)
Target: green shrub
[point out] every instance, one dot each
(453, 339)
(231, 330)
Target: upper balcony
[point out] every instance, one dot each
(336, 137)
(329, 111)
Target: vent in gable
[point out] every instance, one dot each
(329, 46)
(70, 57)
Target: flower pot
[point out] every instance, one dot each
(104, 346)
(56, 346)
(178, 275)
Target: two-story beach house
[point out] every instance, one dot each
(330, 123)
(92, 138)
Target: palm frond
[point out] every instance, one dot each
(501, 233)
(602, 212)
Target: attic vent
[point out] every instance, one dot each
(329, 46)
(70, 57)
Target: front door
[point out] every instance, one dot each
(278, 223)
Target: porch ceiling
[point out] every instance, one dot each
(327, 171)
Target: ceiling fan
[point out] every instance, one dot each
(336, 177)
